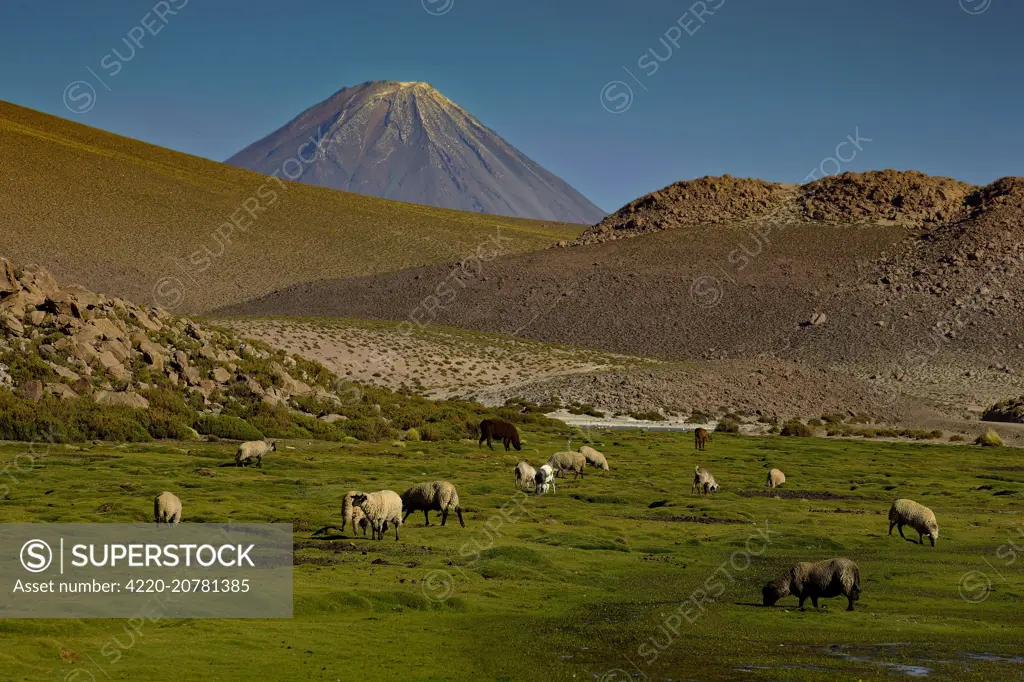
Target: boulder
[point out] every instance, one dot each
(12, 324)
(17, 302)
(32, 390)
(221, 375)
(331, 418)
(36, 318)
(153, 354)
(117, 349)
(61, 391)
(101, 328)
(9, 283)
(180, 359)
(191, 375)
(141, 318)
(109, 362)
(121, 399)
(38, 279)
(64, 372)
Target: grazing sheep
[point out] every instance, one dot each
(562, 462)
(775, 478)
(254, 450)
(497, 429)
(703, 481)
(434, 496)
(700, 438)
(544, 479)
(594, 458)
(823, 579)
(381, 508)
(525, 475)
(167, 508)
(352, 514)
(917, 516)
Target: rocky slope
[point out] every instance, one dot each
(408, 142)
(934, 310)
(888, 197)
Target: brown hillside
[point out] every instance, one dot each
(936, 314)
(139, 221)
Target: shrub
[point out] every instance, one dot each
(956, 438)
(698, 417)
(431, 432)
(227, 427)
(795, 428)
(413, 435)
(728, 426)
(650, 415)
(814, 422)
(832, 418)
(989, 439)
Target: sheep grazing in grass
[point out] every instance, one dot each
(700, 438)
(544, 480)
(167, 508)
(525, 475)
(703, 481)
(496, 429)
(381, 508)
(352, 514)
(775, 478)
(434, 496)
(565, 461)
(820, 580)
(593, 457)
(252, 452)
(917, 516)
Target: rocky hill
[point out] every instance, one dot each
(408, 142)
(888, 197)
(79, 365)
(901, 300)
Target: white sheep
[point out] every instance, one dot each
(775, 478)
(565, 461)
(525, 475)
(593, 457)
(167, 508)
(254, 450)
(381, 508)
(352, 514)
(917, 516)
(703, 481)
(434, 496)
(544, 479)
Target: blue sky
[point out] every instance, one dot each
(756, 88)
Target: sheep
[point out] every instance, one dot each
(703, 481)
(352, 514)
(562, 462)
(166, 508)
(381, 508)
(700, 438)
(823, 579)
(917, 516)
(496, 429)
(254, 450)
(544, 479)
(594, 458)
(437, 496)
(775, 478)
(525, 475)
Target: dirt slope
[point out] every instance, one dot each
(146, 223)
(933, 309)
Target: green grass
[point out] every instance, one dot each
(566, 586)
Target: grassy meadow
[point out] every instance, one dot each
(589, 583)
